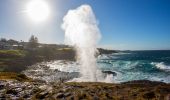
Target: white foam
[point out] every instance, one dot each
(161, 66)
(65, 66)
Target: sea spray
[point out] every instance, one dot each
(81, 31)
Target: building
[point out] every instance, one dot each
(7, 46)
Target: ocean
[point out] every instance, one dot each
(138, 65)
(128, 65)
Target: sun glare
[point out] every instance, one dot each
(38, 10)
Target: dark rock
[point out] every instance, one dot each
(145, 82)
(26, 96)
(11, 91)
(34, 90)
(1, 86)
(96, 98)
(110, 72)
(104, 51)
(149, 95)
(71, 98)
(23, 76)
(2, 96)
(39, 81)
(56, 70)
(135, 94)
(163, 90)
(42, 95)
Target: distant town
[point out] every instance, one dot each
(12, 44)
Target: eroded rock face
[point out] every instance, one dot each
(86, 90)
(14, 89)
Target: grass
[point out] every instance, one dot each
(10, 59)
(19, 53)
(2, 60)
(65, 49)
(18, 60)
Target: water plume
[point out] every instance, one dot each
(81, 31)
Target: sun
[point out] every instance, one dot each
(38, 10)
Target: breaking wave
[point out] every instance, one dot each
(161, 66)
(127, 66)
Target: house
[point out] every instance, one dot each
(7, 46)
(4, 45)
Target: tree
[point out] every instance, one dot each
(33, 42)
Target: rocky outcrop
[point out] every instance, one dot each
(110, 72)
(16, 90)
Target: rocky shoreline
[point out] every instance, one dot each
(42, 71)
(36, 90)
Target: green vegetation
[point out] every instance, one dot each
(10, 59)
(18, 60)
(13, 76)
(24, 54)
(12, 53)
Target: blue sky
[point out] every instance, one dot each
(124, 24)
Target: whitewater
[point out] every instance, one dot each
(128, 66)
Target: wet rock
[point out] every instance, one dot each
(110, 72)
(18, 89)
(60, 95)
(43, 87)
(42, 95)
(67, 94)
(43, 72)
(14, 97)
(46, 88)
(66, 88)
(34, 90)
(56, 70)
(29, 87)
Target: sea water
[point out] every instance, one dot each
(128, 65)
(137, 65)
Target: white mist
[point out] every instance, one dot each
(81, 31)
